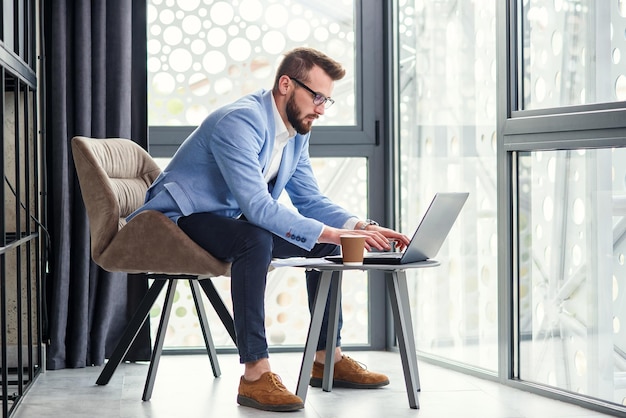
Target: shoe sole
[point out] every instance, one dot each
(316, 382)
(245, 401)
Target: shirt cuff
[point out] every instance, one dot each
(351, 223)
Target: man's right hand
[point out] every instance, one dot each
(374, 239)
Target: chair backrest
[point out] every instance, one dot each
(114, 174)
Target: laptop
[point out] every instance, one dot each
(429, 235)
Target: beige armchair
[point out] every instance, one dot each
(114, 175)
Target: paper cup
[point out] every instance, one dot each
(352, 249)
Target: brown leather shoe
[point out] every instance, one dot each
(268, 393)
(349, 374)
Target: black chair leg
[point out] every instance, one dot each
(127, 339)
(160, 338)
(218, 304)
(204, 326)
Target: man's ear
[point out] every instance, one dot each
(284, 82)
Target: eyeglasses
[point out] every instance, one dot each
(318, 98)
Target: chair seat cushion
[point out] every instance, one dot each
(151, 243)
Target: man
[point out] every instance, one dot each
(221, 187)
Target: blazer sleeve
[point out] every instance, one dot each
(307, 197)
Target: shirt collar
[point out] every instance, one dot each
(282, 132)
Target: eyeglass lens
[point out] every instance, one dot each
(318, 98)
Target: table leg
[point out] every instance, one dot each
(331, 335)
(314, 334)
(398, 292)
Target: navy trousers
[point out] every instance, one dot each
(250, 249)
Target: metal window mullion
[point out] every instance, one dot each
(509, 99)
(515, 337)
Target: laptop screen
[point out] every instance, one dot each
(434, 226)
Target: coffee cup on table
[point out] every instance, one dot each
(352, 249)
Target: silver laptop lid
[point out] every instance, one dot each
(434, 226)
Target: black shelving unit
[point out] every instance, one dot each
(22, 252)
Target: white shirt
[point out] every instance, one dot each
(283, 135)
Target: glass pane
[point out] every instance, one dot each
(287, 313)
(205, 54)
(572, 277)
(572, 52)
(448, 143)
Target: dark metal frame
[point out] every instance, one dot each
(143, 312)
(22, 242)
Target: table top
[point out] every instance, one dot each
(323, 264)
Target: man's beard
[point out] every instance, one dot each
(293, 112)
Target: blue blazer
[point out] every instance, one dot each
(220, 169)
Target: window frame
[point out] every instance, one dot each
(570, 127)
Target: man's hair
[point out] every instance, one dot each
(298, 62)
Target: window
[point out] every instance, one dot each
(447, 142)
(204, 54)
(572, 285)
(562, 148)
(572, 52)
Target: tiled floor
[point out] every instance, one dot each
(186, 388)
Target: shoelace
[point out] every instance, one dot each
(355, 364)
(276, 381)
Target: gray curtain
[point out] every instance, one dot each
(94, 85)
